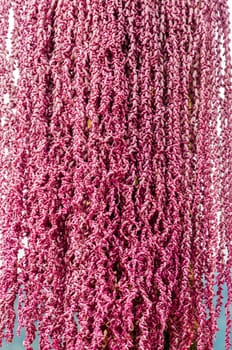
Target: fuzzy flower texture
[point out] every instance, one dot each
(115, 173)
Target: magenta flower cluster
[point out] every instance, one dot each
(115, 173)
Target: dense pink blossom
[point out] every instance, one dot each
(115, 173)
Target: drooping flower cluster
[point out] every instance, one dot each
(115, 173)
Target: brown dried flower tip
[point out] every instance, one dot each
(105, 340)
(191, 276)
(190, 104)
(190, 145)
(133, 332)
(116, 285)
(89, 123)
(152, 92)
(136, 181)
(193, 346)
(87, 203)
(195, 325)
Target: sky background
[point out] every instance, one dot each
(219, 341)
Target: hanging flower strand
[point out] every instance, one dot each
(115, 173)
